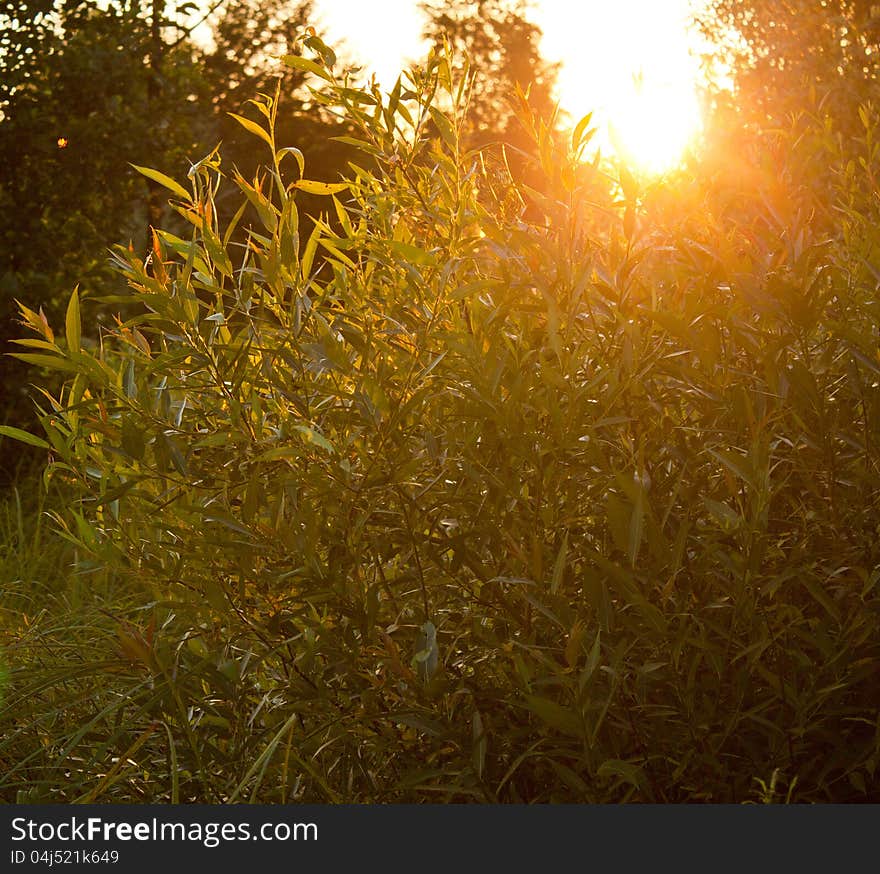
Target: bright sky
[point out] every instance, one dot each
(628, 61)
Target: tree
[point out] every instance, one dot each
(86, 90)
(501, 47)
(780, 51)
(72, 123)
(782, 140)
(802, 64)
(248, 36)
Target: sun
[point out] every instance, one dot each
(653, 127)
(632, 63)
(635, 65)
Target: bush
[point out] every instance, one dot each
(613, 467)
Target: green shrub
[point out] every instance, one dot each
(622, 456)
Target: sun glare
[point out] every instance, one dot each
(629, 62)
(385, 38)
(632, 64)
(653, 126)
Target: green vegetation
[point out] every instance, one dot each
(462, 488)
(86, 90)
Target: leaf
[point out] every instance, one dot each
(730, 520)
(253, 127)
(164, 180)
(300, 158)
(129, 382)
(364, 146)
(628, 184)
(444, 125)
(36, 321)
(312, 187)
(573, 644)
(817, 590)
(280, 452)
(478, 731)
(175, 454)
(735, 464)
(559, 565)
(142, 342)
(297, 62)
(592, 661)
(325, 242)
(218, 254)
(228, 522)
(308, 255)
(555, 716)
(37, 344)
(310, 435)
(72, 324)
(112, 776)
(421, 723)
(578, 133)
(627, 772)
(133, 442)
(356, 95)
(412, 254)
(51, 361)
(427, 654)
(23, 436)
(636, 524)
(317, 45)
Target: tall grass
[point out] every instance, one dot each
(61, 693)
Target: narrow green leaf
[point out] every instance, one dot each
(636, 524)
(175, 454)
(356, 95)
(33, 343)
(297, 62)
(309, 252)
(559, 565)
(736, 464)
(626, 771)
(412, 254)
(129, 382)
(252, 127)
(300, 158)
(480, 745)
(50, 361)
(317, 45)
(133, 442)
(280, 452)
(730, 520)
(310, 435)
(228, 522)
(73, 324)
(444, 125)
(23, 436)
(818, 592)
(363, 145)
(312, 187)
(592, 661)
(555, 716)
(578, 132)
(164, 180)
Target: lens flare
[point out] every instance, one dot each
(653, 126)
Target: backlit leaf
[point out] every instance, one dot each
(165, 181)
